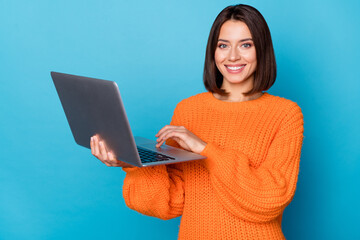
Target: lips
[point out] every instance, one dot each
(235, 68)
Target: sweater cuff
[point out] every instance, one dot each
(148, 172)
(209, 152)
(218, 157)
(130, 169)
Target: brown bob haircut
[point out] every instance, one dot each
(265, 73)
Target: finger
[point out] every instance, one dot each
(111, 159)
(165, 128)
(159, 144)
(111, 156)
(116, 163)
(176, 135)
(103, 152)
(161, 139)
(107, 164)
(168, 131)
(161, 130)
(96, 147)
(166, 135)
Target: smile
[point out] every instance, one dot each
(235, 69)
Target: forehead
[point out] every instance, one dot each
(233, 29)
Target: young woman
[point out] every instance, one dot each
(252, 141)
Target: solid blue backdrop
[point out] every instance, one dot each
(50, 188)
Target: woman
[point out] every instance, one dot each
(252, 141)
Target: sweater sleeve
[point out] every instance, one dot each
(156, 191)
(259, 194)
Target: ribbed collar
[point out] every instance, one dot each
(233, 106)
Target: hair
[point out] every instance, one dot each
(265, 73)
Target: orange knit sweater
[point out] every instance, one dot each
(241, 190)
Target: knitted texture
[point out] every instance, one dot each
(241, 190)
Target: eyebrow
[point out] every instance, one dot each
(242, 40)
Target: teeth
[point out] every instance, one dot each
(235, 68)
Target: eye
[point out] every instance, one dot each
(246, 45)
(222, 45)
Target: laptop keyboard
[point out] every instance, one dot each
(148, 156)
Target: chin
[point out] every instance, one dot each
(235, 80)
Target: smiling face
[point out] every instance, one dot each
(235, 55)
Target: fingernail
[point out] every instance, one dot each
(91, 139)
(100, 143)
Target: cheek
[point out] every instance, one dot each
(250, 57)
(219, 58)
(220, 55)
(254, 62)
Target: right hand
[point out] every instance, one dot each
(99, 150)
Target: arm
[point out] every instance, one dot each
(156, 191)
(258, 194)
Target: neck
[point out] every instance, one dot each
(238, 98)
(236, 92)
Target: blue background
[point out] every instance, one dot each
(50, 188)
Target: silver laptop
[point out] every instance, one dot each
(94, 106)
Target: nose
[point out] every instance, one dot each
(234, 54)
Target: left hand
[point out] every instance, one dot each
(182, 136)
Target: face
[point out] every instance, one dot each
(235, 54)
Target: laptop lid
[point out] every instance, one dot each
(92, 107)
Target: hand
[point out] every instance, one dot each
(98, 149)
(182, 136)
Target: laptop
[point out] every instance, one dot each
(94, 106)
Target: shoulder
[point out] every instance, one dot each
(289, 113)
(192, 102)
(187, 108)
(284, 105)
